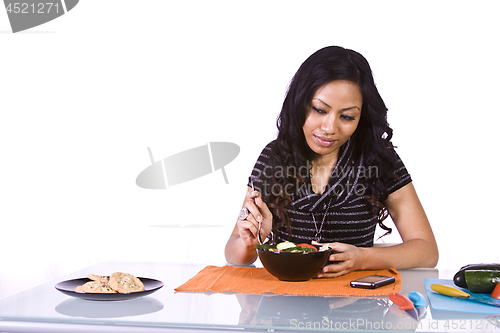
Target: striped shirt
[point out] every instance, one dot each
(339, 214)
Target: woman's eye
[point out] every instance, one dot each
(346, 117)
(318, 110)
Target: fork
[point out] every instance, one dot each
(260, 223)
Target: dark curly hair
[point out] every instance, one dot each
(372, 138)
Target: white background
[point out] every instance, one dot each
(83, 96)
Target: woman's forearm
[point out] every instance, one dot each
(410, 254)
(238, 253)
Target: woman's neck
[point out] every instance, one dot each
(326, 162)
(321, 169)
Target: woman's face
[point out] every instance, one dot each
(332, 117)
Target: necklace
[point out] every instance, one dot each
(318, 232)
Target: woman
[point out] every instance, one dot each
(332, 175)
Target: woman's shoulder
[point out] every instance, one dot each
(267, 150)
(270, 145)
(400, 175)
(398, 162)
(261, 167)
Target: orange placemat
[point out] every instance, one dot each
(258, 281)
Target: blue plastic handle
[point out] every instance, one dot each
(418, 299)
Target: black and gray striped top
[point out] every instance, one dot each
(342, 206)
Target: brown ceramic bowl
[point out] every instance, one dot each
(288, 266)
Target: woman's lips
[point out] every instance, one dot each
(326, 142)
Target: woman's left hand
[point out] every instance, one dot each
(350, 258)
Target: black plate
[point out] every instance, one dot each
(68, 288)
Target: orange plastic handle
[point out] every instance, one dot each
(403, 301)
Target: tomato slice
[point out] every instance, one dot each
(305, 245)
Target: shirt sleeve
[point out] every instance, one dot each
(261, 176)
(400, 178)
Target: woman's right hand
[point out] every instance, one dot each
(257, 212)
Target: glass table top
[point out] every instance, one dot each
(46, 309)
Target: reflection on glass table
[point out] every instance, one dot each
(79, 308)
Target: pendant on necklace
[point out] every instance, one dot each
(319, 231)
(317, 236)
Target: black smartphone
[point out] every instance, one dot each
(373, 281)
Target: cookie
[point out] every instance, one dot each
(125, 283)
(93, 286)
(95, 277)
